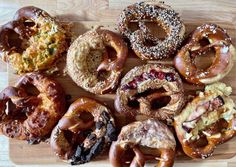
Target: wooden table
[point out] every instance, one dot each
(103, 10)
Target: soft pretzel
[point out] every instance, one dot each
(153, 90)
(149, 139)
(160, 14)
(73, 138)
(222, 63)
(89, 64)
(40, 43)
(206, 121)
(34, 116)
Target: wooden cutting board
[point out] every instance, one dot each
(22, 153)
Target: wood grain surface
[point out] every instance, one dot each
(88, 13)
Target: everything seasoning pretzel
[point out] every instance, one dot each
(160, 14)
(206, 121)
(148, 140)
(75, 139)
(153, 90)
(41, 40)
(222, 63)
(33, 116)
(89, 64)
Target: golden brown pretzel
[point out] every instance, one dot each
(73, 138)
(222, 63)
(34, 116)
(160, 14)
(148, 140)
(151, 90)
(89, 64)
(206, 121)
(41, 40)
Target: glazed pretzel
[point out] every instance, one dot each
(40, 43)
(209, 119)
(91, 67)
(150, 134)
(222, 63)
(34, 116)
(141, 92)
(84, 143)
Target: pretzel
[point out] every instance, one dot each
(140, 137)
(84, 143)
(153, 90)
(89, 64)
(33, 116)
(41, 40)
(206, 121)
(222, 63)
(160, 14)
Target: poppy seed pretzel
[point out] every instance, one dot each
(209, 118)
(144, 87)
(84, 143)
(140, 136)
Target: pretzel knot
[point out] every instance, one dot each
(151, 90)
(32, 41)
(216, 38)
(206, 121)
(91, 64)
(145, 140)
(33, 116)
(74, 139)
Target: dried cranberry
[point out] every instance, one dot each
(132, 84)
(170, 77)
(161, 75)
(139, 79)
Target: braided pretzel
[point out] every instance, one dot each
(33, 117)
(140, 92)
(88, 61)
(40, 44)
(223, 61)
(159, 13)
(83, 143)
(139, 137)
(209, 119)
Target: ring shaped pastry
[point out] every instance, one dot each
(206, 121)
(33, 116)
(160, 14)
(222, 63)
(41, 40)
(89, 64)
(153, 90)
(73, 138)
(148, 140)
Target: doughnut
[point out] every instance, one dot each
(152, 90)
(148, 140)
(89, 63)
(74, 140)
(41, 40)
(160, 14)
(207, 121)
(224, 54)
(34, 116)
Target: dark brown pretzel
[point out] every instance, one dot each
(34, 116)
(40, 43)
(83, 143)
(145, 88)
(149, 134)
(206, 121)
(89, 64)
(159, 13)
(222, 63)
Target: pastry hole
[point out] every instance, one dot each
(156, 30)
(133, 26)
(133, 103)
(29, 23)
(201, 142)
(86, 116)
(103, 75)
(205, 60)
(111, 53)
(31, 90)
(160, 102)
(150, 91)
(204, 42)
(14, 41)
